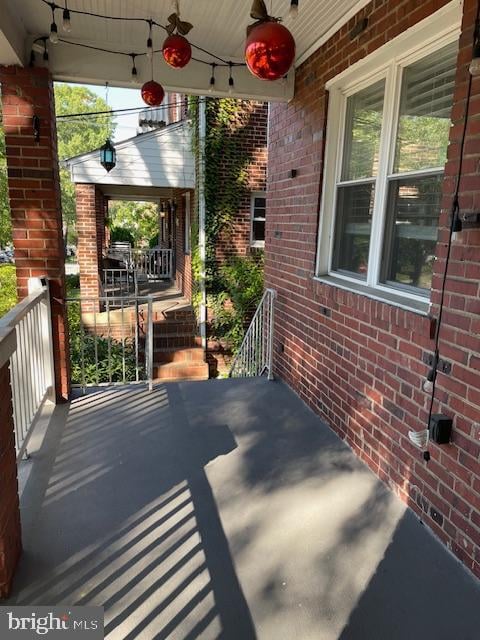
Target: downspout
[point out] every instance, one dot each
(201, 218)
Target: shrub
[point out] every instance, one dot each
(8, 288)
(72, 285)
(234, 306)
(121, 234)
(102, 368)
(153, 242)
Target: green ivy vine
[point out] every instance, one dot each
(226, 185)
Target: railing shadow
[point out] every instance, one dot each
(118, 512)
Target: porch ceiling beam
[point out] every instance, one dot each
(12, 39)
(75, 64)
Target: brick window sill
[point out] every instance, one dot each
(392, 298)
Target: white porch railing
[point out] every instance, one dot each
(154, 264)
(119, 282)
(254, 358)
(31, 364)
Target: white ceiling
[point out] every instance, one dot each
(219, 26)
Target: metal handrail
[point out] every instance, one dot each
(254, 358)
(113, 325)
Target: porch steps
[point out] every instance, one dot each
(187, 355)
(172, 371)
(177, 350)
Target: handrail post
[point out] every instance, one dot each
(270, 334)
(37, 284)
(150, 343)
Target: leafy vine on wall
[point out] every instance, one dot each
(226, 185)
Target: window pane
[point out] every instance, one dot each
(258, 231)
(411, 231)
(259, 203)
(352, 229)
(425, 106)
(362, 132)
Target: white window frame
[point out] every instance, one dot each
(187, 243)
(432, 34)
(256, 194)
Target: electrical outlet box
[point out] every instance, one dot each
(440, 428)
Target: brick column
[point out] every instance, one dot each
(34, 191)
(91, 206)
(10, 532)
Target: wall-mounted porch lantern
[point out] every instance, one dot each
(108, 156)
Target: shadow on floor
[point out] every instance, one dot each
(118, 511)
(226, 509)
(412, 593)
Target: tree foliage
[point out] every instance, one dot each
(139, 218)
(76, 136)
(5, 221)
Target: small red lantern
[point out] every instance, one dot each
(269, 50)
(177, 51)
(152, 93)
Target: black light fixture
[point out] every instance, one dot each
(53, 26)
(212, 78)
(231, 83)
(45, 50)
(293, 11)
(66, 23)
(134, 73)
(149, 40)
(108, 156)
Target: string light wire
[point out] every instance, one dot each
(453, 216)
(149, 21)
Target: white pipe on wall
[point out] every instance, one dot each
(201, 217)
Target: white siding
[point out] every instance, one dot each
(158, 159)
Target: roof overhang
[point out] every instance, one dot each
(218, 27)
(159, 160)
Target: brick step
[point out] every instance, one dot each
(181, 371)
(164, 356)
(174, 341)
(174, 327)
(179, 314)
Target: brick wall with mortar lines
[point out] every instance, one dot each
(252, 140)
(183, 261)
(358, 362)
(91, 208)
(34, 195)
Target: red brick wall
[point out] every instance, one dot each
(251, 134)
(183, 261)
(10, 533)
(34, 193)
(90, 206)
(355, 361)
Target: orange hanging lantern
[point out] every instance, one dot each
(270, 47)
(152, 93)
(177, 51)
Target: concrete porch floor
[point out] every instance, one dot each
(226, 509)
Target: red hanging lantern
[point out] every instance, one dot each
(152, 93)
(269, 50)
(177, 51)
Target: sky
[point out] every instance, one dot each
(121, 99)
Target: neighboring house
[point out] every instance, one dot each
(158, 165)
